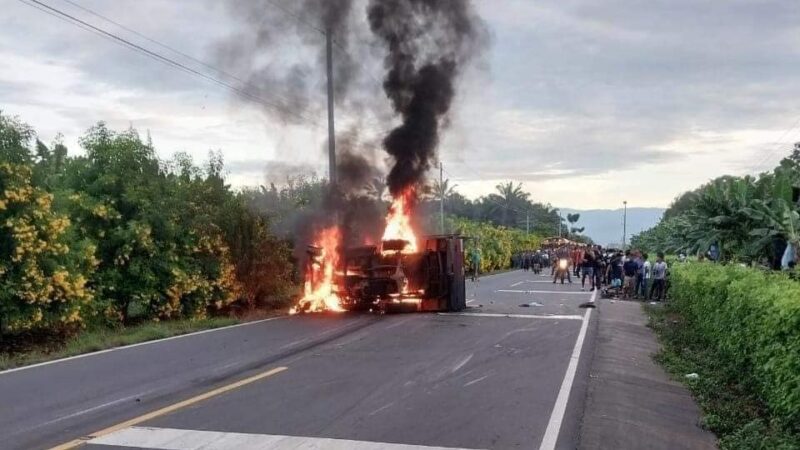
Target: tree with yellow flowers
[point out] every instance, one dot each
(43, 268)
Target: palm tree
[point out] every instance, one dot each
(443, 190)
(509, 196)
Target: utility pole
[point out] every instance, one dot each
(558, 223)
(331, 132)
(528, 222)
(441, 197)
(624, 223)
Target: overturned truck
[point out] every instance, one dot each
(388, 278)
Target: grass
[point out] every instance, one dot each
(730, 408)
(105, 338)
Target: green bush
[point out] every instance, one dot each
(752, 320)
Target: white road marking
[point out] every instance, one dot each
(175, 439)
(517, 283)
(476, 381)
(559, 409)
(388, 405)
(518, 316)
(470, 301)
(140, 344)
(542, 292)
(94, 408)
(462, 363)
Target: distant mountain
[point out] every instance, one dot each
(604, 226)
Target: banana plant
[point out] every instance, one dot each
(778, 218)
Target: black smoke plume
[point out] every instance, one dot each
(427, 42)
(423, 45)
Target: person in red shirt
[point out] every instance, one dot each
(577, 259)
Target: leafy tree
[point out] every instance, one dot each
(744, 216)
(43, 267)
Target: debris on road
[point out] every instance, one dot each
(587, 305)
(531, 304)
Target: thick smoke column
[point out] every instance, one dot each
(277, 52)
(428, 42)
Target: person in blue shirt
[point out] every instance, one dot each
(629, 269)
(615, 270)
(637, 258)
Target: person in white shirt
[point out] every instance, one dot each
(659, 272)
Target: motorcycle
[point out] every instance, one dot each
(562, 271)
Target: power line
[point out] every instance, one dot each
(158, 57)
(161, 44)
(214, 68)
(778, 144)
(296, 16)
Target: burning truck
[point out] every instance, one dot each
(427, 44)
(402, 274)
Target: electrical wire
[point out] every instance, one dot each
(764, 161)
(161, 58)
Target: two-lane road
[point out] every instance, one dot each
(499, 375)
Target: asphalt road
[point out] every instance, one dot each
(498, 376)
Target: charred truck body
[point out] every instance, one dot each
(387, 278)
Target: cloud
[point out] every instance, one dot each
(586, 102)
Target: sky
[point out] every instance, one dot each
(587, 103)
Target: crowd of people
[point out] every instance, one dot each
(627, 275)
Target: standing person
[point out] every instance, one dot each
(637, 257)
(577, 259)
(614, 270)
(629, 269)
(646, 274)
(587, 267)
(599, 266)
(659, 277)
(476, 264)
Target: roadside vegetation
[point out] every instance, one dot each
(117, 237)
(496, 244)
(739, 329)
(749, 219)
(736, 322)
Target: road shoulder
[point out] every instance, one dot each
(631, 402)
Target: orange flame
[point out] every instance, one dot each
(319, 288)
(398, 221)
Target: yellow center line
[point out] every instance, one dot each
(168, 409)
